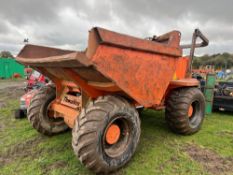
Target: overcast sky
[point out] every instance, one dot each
(65, 23)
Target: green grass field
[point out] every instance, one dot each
(23, 151)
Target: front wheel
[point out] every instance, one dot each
(185, 110)
(106, 134)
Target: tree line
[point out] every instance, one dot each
(219, 61)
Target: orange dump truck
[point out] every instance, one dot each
(96, 92)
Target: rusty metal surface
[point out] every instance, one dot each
(143, 76)
(124, 41)
(40, 56)
(184, 82)
(91, 74)
(33, 51)
(141, 69)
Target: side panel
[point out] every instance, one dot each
(18, 68)
(9, 66)
(6, 69)
(143, 76)
(181, 68)
(1, 68)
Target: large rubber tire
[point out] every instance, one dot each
(89, 133)
(37, 113)
(177, 107)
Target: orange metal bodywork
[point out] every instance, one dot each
(141, 70)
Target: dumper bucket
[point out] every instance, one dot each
(112, 63)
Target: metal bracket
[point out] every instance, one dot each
(196, 34)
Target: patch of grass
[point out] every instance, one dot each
(159, 152)
(13, 131)
(216, 134)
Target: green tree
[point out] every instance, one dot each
(6, 54)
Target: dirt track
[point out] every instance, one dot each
(10, 89)
(6, 84)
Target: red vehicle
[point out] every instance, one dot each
(24, 103)
(34, 81)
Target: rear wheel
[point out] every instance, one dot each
(40, 115)
(106, 134)
(185, 110)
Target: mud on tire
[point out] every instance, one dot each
(90, 132)
(178, 115)
(38, 113)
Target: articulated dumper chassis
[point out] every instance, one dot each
(96, 92)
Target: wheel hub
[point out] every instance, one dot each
(190, 111)
(113, 134)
